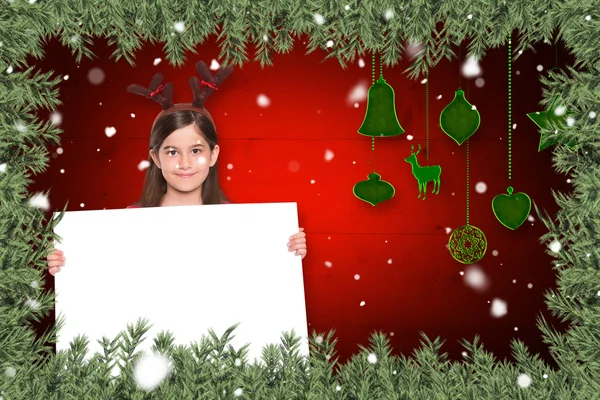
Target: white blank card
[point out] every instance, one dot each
(186, 269)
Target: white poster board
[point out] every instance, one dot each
(186, 269)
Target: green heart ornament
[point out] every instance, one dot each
(374, 190)
(511, 209)
(459, 119)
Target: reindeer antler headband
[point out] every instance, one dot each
(163, 94)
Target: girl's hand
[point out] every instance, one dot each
(298, 243)
(56, 259)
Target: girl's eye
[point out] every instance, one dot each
(197, 150)
(169, 152)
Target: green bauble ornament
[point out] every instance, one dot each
(512, 209)
(374, 190)
(459, 119)
(467, 244)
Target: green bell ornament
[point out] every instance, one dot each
(459, 119)
(374, 190)
(380, 118)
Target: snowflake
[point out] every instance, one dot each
(524, 380)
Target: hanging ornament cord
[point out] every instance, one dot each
(509, 110)
(373, 137)
(511, 209)
(427, 113)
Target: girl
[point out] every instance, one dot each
(183, 152)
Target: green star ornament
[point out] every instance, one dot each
(555, 117)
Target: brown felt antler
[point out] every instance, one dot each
(209, 82)
(162, 94)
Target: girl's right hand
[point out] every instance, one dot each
(56, 259)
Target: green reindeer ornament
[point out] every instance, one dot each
(424, 174)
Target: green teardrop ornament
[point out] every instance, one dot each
(459, 119)
(374, 190)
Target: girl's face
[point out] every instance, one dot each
(185, 159)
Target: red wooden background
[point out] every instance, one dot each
(408, 280)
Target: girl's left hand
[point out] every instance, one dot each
(298, 243)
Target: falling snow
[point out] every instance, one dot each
(524, 380)
(156, 61)
(33, 304)
(362, 303)
(312, 181)
(328, 264)
(96, 76)
(229, 166)
(372, 358)
(471, 68)
(473, 107)
(338, 387)
(179, 26)
(319, 339)
(82, 205)
(21, 127)
(3, 167)
(588, 17)
(529, 286)
(389, 261)
(132, 115)
(40, 201)
(329, 43)
(448, 230)
(263, 101)
(555, 246)
(545, 376)
(479, 82)
(35, 284)
(361, 62)
(214, 65)
(540, 68)
(357, 277)
(514, 126)
(570, 121)
(495, 253)
(62, 171)
(319, 19)
(329, 155)
(238, 392)
(9, 70)
(389, 14)
(530, 218)
(516, 328)
(238, 362)
(499, 308)
(358, 93)
(470, 16)
(143, 165)
(10, 372)
(409, 137)
(110, 131)
(424, 81)
(592, 114)
(151, 370)
(439, 97)
(480, 187)
(476, 279)
(66, 77)
(56, 118)
(413, 48)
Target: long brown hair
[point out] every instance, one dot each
(155, 184)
